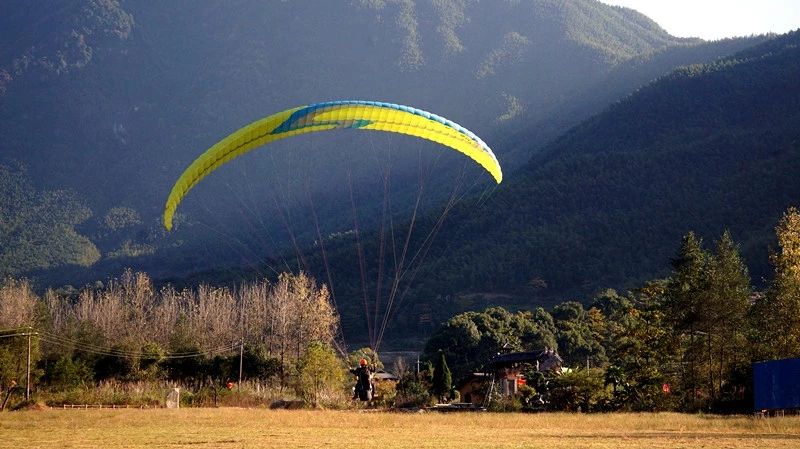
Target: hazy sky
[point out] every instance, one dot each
(716, 19)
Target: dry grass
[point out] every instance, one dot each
(259, 428)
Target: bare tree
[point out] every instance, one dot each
(285, 317)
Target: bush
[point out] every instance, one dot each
(67, 373)
(385, 394)
(505, 404)
(119, 364)
(580, 390)
(412, 392)
(258, 364)
(133, 394)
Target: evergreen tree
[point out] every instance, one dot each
(577, 335)
(442, 378)
(637, 341)
(469, 340)
(727, 292)
(685, 309)
(776, 316)
(685, 286)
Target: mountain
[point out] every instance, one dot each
(705, 148)
(112, 99)
(547, 124)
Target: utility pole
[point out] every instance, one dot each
(242, 320)
(241, 358)
(28, 369)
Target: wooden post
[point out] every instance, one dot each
(242, 318)
(241, 357)
(28, 369)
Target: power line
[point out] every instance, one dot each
(145, 356)
(105, 351)
(25, 334)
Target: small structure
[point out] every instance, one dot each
(384, 376)
(472, 390)
(174, 398)
(776, 386)
(503, 374)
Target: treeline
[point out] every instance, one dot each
(682, 343)
(128, 331)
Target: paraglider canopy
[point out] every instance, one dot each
(347, 114)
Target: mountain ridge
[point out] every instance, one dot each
(705, 128)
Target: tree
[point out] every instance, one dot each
(469, 340)
(20, 314)
(636, 341)
(577, 336)
(685, 287)
(458, 339)
(706, 304)
(149, 363)
(581, 389)
(320, 374)
(258, 365)
(121, 363)
(365, 353)
(685, 309)
(442, 378)
(775, 316)
(728, 293)
(67, 373)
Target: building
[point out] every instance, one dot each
(504, 374)
(776, 385)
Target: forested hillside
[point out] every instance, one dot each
(706, 148)
(37, 228)
(122, 91)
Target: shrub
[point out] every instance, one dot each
(67, 373)
(505, 404)
(412, 392)
(258, 364)
(580, 390)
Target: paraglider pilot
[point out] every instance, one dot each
(364, 390)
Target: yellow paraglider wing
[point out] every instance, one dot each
(368, 115)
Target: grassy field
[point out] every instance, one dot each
(258, 428)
